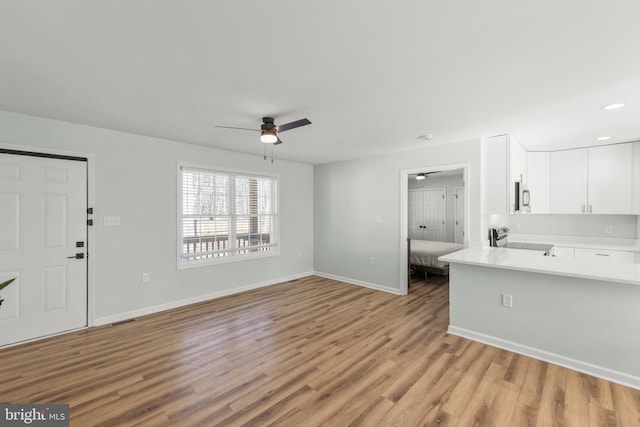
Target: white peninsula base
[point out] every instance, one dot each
(589, 325)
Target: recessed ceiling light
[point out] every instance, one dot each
(603, 138)
(613, 106)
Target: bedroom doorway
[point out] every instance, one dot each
(431, 189)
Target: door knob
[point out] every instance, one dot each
(77, 256)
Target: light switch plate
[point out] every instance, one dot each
(111, 221)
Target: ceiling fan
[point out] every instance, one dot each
(423, 175)
(269, 130)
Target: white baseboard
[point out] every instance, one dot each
(192, 300)
(359, 283)
(556, 359)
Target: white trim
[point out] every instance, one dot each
(91, 190)
(359, 283)
(404, 201)
(455, 213)
(193, 300)
(557, 359)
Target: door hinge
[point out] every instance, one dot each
(89, 222)
(90, 211)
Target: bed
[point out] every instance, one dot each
(423, 255)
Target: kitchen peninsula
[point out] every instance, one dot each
(584, 315)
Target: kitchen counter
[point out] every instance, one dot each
(579, 314)
(536, 262)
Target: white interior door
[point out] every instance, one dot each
(416, 209)
(43, 225)
(458, 226)
(434, 214)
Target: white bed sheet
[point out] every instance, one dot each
(426, 252)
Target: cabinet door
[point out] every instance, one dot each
(518, 170)
(538, 180)
(610, 179)
(568, 181)
(605, 255)
(495, 152)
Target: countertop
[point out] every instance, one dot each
(536, 262)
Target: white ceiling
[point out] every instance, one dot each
(372, 76)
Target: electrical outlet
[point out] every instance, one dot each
(377, 219)
(608, 229)
(507, 300)
(145, 277)
(372, 260)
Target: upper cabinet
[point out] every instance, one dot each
(504, 161)
(596, 180)
(609, 179)
(568, 181)
(635, 185)
(538, 180)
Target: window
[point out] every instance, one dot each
(225, 216)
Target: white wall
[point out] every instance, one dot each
(349, 195)
(135, 179)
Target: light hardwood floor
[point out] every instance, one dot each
(305, 353)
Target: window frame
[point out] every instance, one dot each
(185, 264)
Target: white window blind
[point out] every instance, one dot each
(226, 216)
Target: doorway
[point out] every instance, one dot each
(459, 207)
(44, 244)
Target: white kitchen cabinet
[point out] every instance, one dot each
(635, 185)
(504, 161)
(610, 179)
(538, 180)
(596, 180)
(517, 170)
(568, 181)
(604, 255)
(563, 252)
(495, 152)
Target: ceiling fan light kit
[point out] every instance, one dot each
(268, 137)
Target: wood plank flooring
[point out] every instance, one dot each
(304, 353)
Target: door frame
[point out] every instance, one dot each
(404, 212)
(91, 257)
(455, 213)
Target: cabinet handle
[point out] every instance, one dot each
(582, 208)
(602, 254)
(590, 208)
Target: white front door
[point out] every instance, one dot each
(459, 216)
(43, 227)
(434, 211)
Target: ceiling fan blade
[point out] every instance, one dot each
(279, 141)
(232, 127)
(428, 173)
(293, 125)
